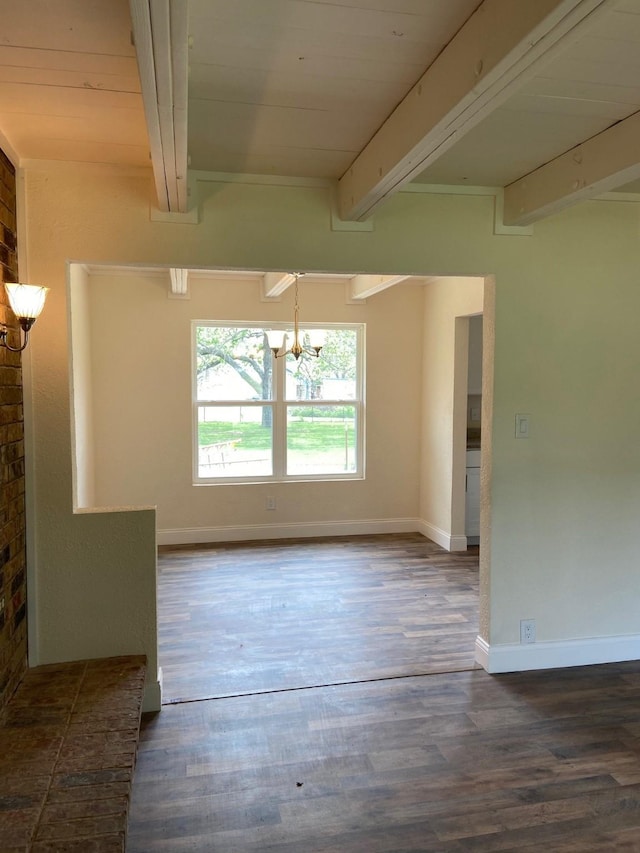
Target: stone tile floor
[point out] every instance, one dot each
(68, 741)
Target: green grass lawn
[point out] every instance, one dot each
(252, 436)
(304, 436)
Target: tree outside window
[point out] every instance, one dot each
(257, 417)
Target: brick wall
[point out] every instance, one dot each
(13, 622)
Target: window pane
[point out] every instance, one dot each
(234, 441)
(332, 376)
(232, 364)
(321, 439)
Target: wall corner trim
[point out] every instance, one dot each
(482, 653)
(152, 700)
(191, 217)
(555, 655)
(448, 541)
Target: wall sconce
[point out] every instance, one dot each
(27, 302)
(278, 340)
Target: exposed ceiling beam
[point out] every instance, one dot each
(610, 159)
(498, 48)
(363, 286)
(275, 283)
(161, 39)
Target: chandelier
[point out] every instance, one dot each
(278, 339)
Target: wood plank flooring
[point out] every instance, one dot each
(254, 617)
(459, 762)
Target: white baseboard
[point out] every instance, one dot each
(554, 655)
(197, 535)
(152, 700)
(442, 538)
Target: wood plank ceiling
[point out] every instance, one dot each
(370, 93)
(289, 87)
(69, 83)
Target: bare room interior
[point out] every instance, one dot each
(381, 180)
(197, 629)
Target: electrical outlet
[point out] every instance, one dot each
(270, 502)
(527, 630)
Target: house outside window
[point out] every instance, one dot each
(258, 418)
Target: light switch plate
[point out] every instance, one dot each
(522, 426)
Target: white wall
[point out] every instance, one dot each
(83, 457)
(143, 411)
(447, 304)
(564, 503)
(475, 355)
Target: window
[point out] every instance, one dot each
(260, 418)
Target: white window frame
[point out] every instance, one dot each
(279, 406)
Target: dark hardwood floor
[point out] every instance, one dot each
(400, 757)
(460, 762)
(255, 617)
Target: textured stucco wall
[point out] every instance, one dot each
(563, 503)
(144, 438)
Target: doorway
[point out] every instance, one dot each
(474, 431)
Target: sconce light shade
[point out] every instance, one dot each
(26, 300)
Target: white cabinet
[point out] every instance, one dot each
(472, 496)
